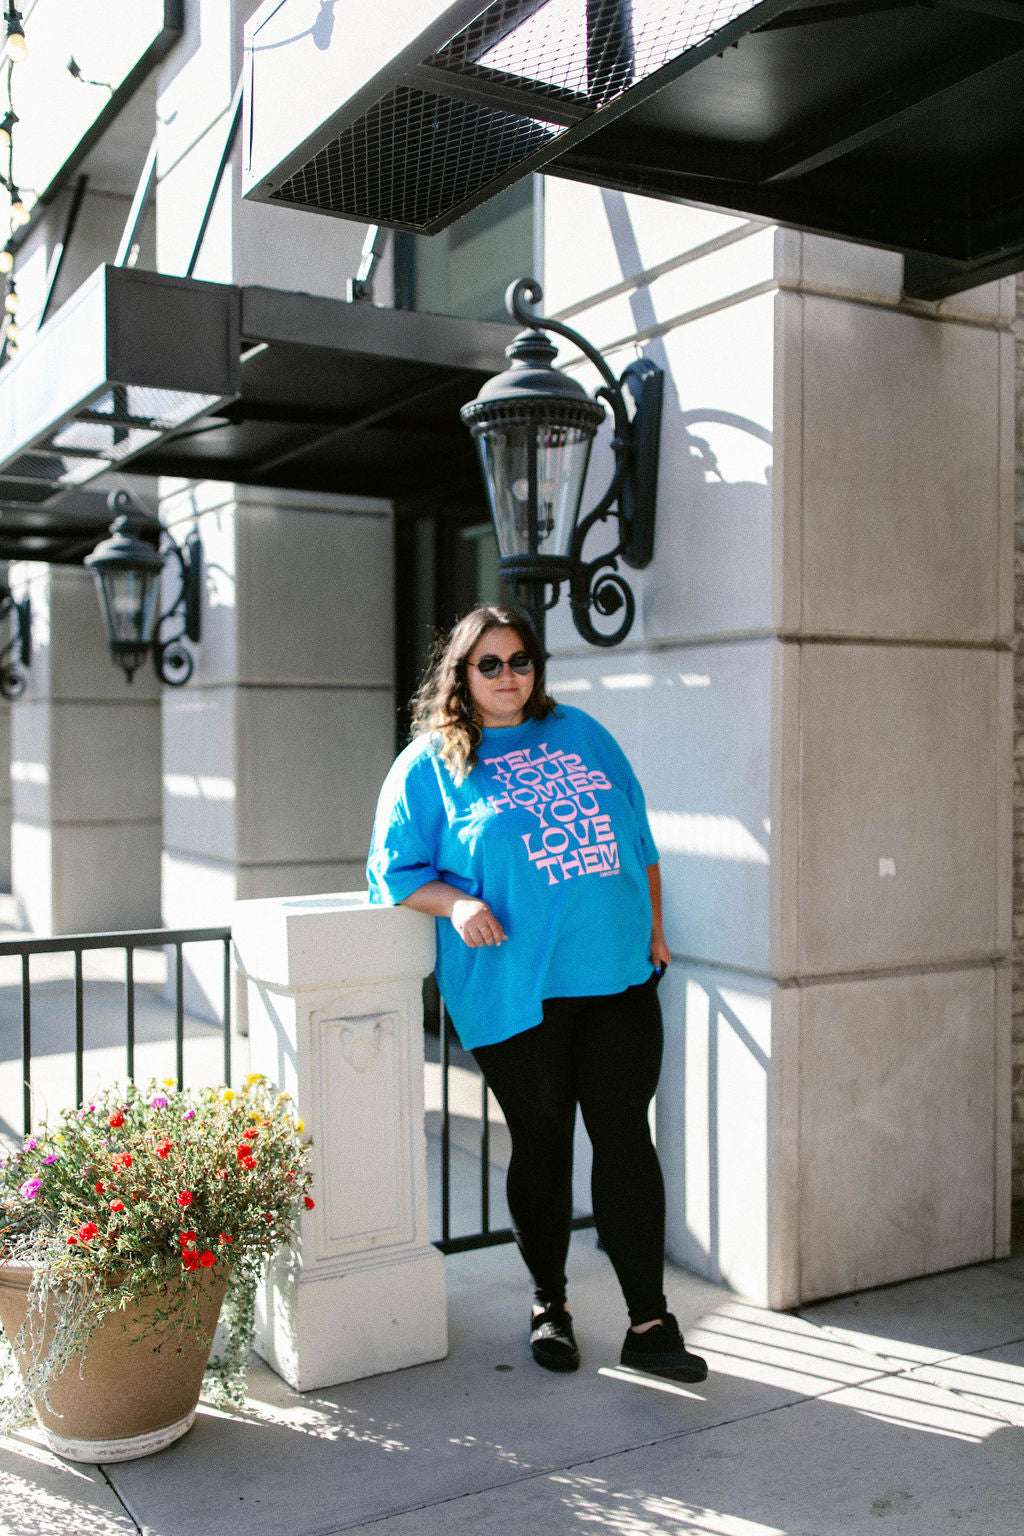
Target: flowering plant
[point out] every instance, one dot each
(137, 1197)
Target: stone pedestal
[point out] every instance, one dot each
(335, 1019)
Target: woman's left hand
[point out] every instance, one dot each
(661, 955)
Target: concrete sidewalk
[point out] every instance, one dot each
(896, 1410)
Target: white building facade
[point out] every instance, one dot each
(818, 691)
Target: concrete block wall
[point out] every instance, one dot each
(85, 769)
(817, 695)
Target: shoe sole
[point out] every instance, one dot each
(670, 1372)
(564, 1363)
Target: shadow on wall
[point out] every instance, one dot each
(712, 1126)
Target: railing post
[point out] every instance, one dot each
(334, 989)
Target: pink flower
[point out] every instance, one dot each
(189, 1114)
(30, 1189)
(51, 1157)
(30, 1145)
(158, 1101)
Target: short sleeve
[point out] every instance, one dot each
(401, 852)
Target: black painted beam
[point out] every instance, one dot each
(840, 133)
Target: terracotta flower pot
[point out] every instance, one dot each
(127, 1401)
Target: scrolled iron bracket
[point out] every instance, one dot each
(597, 586)
(16, 655)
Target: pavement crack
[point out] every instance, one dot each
(107, 1479)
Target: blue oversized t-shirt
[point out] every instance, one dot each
(549, 827)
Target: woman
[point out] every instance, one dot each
(520, 826)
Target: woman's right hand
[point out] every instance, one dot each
(475, 923)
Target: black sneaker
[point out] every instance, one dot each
(552, 1341)
(661, 1351)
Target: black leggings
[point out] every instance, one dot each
(605, 1054)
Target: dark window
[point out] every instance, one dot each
(465, 270)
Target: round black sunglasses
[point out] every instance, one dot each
(491, 666)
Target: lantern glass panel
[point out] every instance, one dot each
(129, 601)
(555, 458)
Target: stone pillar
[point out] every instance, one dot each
(85, 769)
(817, 695)
(273, 753)
(335, 1019)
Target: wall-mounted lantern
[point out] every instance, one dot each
(16, 655)
(127, 567)
(534, 428)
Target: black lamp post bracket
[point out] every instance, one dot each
(631, 495)
(16, 655)
(173, 661)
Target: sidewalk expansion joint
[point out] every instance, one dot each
(128, 1514)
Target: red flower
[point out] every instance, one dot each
(185, 1198)
(87, 1231)
(117, 1205)
(289, 1176)
(123, 1160)
(268, 1216)
(224, 1238)
(190, 1260)
(222, 1173)
(99, 1189)
(250, 1134)
(116, 1119)
(247, 1162)
(206, 1258)
(163, 1147)
(309, 1202)
(186, 1238)
(243, 1151)
(72, 1242)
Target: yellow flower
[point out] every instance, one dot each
(169, 1082)
(300, 1126)
(254, 1077)
(227, 1095)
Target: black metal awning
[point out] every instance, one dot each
(897, 123)
(170, 376)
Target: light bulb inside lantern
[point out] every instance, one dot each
(11, 301)
(6, 261)
(6, 128)
(14, 331)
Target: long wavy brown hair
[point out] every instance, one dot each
(442, 704)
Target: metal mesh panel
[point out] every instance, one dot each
(109, 430)
(589, 50)
(412, 157)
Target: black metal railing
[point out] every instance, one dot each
(435, 1018)
(78, 944)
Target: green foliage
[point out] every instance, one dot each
(140, 1194)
